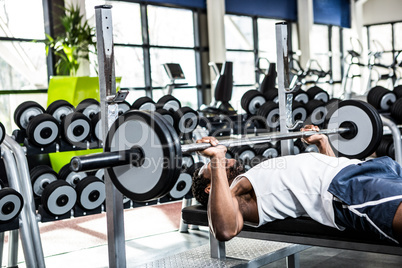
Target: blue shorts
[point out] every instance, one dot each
(367, 196)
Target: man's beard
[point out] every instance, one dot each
(235, 170)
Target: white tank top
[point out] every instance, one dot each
(294, 186)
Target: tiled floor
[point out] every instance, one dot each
(151, 233)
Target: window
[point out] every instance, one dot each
(239, 39)
(384, 39)
(22, 56)
(170, 27)
(267, 39)
(22, 61)
(169, 38)
(127, 38)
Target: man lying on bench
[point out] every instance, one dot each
(337, 192)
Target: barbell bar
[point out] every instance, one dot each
(143, 152)
(135, 156)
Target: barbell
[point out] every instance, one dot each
(143, 153)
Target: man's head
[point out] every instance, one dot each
(202, 178)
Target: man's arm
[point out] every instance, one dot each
(320, 140)
(224, 217)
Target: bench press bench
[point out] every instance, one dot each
(303, 230)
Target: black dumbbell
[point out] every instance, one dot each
(185, 120)
(88, 107)
(144, 104)
(59, 109)
(269, 112)
(381, 98)
(76, 128)
(41, 129)
(252, 100)
(169, 103)
(267, 150)
(56, 196)
(316, 112)
(318, 93)
(90, 189)
(11, 203)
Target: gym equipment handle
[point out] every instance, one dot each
(135, 156)
(274, 136)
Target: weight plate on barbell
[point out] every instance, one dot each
(162, 155)
(367, 123)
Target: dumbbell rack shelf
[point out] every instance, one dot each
(19, 179)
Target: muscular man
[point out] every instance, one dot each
(337, 192)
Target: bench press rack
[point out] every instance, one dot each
(303, 231)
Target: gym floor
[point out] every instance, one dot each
(152, 233)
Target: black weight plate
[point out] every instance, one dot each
(100, 175)
(59, 109)
(91, 192)
(266, 150)
(96, 130)
(272, 95)
(186, 120)
(88, 107)
(25, 112)
(168, 115)
(42, 176)
(316, 111)
(369, 129)
(301, 96)
(182, 186)
(162, 156)
(2, 132)
(252, 100)
(43, 130)
(317, 93)
(123, 107)
(270, 112)
(168, 102)
(144, 104)
(11, 203)
(396, 111)
(76, 128)
(179, 157)
(258, 159)
(398, 91)
(58, 198)
(187, 161)
(71, 177)
(299, 112)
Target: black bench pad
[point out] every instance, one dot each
(300, 227)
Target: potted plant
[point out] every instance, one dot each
(74, 43)
(72, 47)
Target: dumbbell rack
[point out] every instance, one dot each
(19, 179)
